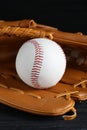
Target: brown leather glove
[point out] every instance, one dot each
(57, 100)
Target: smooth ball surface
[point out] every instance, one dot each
(40, 63)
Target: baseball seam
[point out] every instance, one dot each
(37, 64)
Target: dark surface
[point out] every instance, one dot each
(66, 15)
(12, 119)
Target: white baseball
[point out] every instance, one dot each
(40, 63)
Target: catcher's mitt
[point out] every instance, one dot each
(57, 100)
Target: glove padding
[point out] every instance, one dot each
(54, 101)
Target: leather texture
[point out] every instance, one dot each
(55, 101)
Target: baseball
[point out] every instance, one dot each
(40, 63)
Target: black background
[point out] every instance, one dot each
(66, 15)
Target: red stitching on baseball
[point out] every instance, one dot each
(37, 63)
